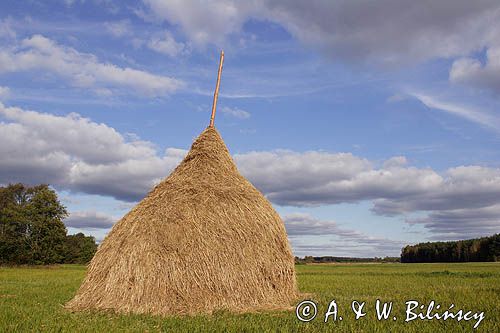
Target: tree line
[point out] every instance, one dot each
(478, 249)
(331, 259)
(32, 231)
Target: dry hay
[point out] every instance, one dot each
(202, 240)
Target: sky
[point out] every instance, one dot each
(368, 125)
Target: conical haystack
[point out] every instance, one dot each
(203, 239)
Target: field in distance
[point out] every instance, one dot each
(31, 300)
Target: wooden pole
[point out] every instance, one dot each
(216, 93)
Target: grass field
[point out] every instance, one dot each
(31, 300)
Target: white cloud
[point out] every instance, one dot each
(322, 178)
(395, 162)
(81, 69)
(355, 31)
(76, 154)
(471, 71)
(319, 178)
(73, 134)
(72, 152)
(360, 30)
(166, 44)
(470, 113)
(128, 180)
(461, 223)
(461, 187)
(202, 21)
(235, 112)
(89, 220)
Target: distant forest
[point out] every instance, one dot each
(479, 249)
(32, 231)
(330, 259)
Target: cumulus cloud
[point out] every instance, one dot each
(202, 21)
(74, 153)
(461, 187)
(351, 30)
(235, 112)
(165, 43)
(461, 223)
(394, 162)
(89, 220)
(319, 178)
(82, 69)
(395, 189)
(128, 180)
(75, 135)
(472, 72)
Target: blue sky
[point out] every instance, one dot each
(369, 125)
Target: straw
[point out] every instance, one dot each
(204, 239)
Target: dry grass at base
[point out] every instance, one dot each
(202, 240)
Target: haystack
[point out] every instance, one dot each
(203, 239)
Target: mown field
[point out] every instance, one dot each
(31, 301)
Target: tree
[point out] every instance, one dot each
(480, 249)
(79, 249)
(13, 225)
(31, 225)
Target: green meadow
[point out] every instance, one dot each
(31, 300)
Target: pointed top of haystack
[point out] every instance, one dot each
(209, 153)
(203, 239)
